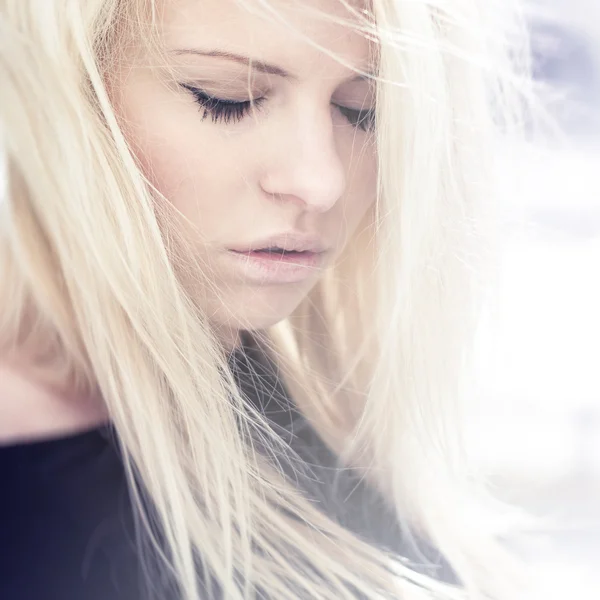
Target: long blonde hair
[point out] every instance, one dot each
(375, 356)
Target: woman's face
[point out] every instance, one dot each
(298, 163)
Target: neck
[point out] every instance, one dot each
(231, 339)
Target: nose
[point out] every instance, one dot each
(305, 165)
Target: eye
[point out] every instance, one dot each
(226, 111)
(363, 119)
(220, 109)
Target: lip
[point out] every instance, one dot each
(264, 268)
(291, 240)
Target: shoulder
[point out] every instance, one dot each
(30, 411)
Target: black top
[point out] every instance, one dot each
(67, 529)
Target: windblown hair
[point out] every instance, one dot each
(94, 286)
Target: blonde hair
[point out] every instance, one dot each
(375, 356)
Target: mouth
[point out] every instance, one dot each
(276, 265)
(276, 253)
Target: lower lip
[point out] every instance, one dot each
(278, 268)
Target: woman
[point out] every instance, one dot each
(237, 292)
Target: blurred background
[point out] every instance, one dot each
(537, 424)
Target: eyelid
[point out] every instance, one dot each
(222, 110)
(201, 92)
(353, 108)
(227, 110)
(363, 118)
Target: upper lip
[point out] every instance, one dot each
(300, 242)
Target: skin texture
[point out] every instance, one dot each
(297, 163)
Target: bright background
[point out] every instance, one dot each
(537, 427)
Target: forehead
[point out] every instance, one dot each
(271, 31)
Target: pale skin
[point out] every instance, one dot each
(301, 162)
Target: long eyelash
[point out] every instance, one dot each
(363, 119)
(226, 111)
(221, 110)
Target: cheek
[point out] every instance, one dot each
(361, 188)
(187, 163)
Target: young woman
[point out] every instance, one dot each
(239, 260)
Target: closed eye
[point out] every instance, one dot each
(363, 119)
(226, 111)
(220, 109)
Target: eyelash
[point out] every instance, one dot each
(227, 111)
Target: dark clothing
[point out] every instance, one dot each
(67, 527)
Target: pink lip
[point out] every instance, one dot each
(276, 268)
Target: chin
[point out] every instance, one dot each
(258, 307)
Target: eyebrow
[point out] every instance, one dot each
(259, 65)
